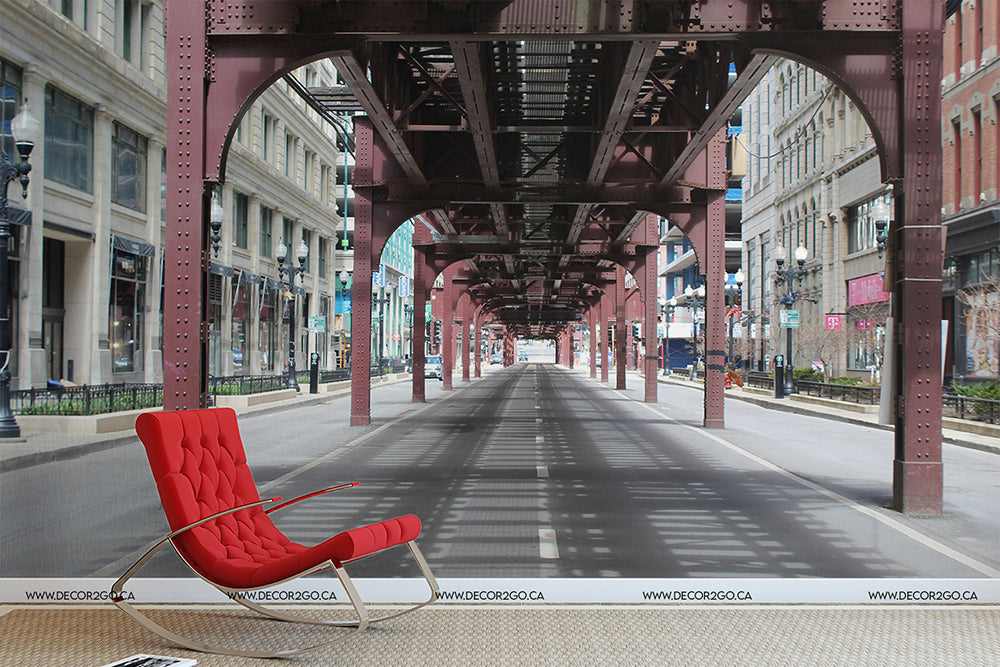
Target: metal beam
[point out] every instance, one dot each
(354, 76)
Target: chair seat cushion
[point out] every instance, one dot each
(247, 565)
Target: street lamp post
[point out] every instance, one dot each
(345, 290)
(666, 311)
(408, 328)
(288, 274)
(788, 277)
(381, 302)
(731, 292)
(695, 299)
(25, 129)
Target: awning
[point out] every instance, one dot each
(221, 269)
(18, 216)
(139, 248)
(253, 278)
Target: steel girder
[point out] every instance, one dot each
(553, 128)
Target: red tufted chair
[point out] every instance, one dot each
(221, 529)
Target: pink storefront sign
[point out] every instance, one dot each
(833, 322)
(866, 290)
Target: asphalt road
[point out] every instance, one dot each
(537, 471)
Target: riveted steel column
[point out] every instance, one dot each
(185, 325)
(621, 331)
(466, 337)
(651, 356)
(592, 323)
(508, 347)
(605, 313)
(422, 279)
(478, 356)
(714, 265)
(569, 346)
(361, 293)
(447, 328)
(917, 466)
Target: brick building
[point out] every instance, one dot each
(970, 110)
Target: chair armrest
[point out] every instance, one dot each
(335, 487)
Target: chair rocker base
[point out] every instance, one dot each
(357, 626)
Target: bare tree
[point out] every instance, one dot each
(982, 318)
(828, 346)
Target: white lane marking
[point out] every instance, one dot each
(543, 471)
(539, 439)
(547, 547)
(867, 511)
(538, 420)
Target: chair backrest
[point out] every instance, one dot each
(200, 468)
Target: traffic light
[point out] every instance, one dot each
(636, 331)
(437, 330)
(427, 329)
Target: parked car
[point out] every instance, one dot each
(496, 358)
(522, 356)
(434, 367)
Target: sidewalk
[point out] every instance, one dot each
(35, 448)
(832, 409)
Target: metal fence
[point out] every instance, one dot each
(975, 409)
(86, 399)
(759, 380)
(849, 393)
(239, 385)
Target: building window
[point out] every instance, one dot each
(307, 239)
(291, 152)
(268, 325)
(307, 172)
(267, 141)
(241, 221)
(287, 224)
(322, 252)
(241, 324)
(128, 168)
(861, 225)
(69, 140)
(128, 300)
(10, 103)
(956, 133)
(266, 224)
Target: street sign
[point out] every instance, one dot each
(317, 324)
(789, 319)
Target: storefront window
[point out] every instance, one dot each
(128, 301)
(241, 324)
(268, 325)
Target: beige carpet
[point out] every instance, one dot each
(564, 636)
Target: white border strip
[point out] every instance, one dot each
(700, 591)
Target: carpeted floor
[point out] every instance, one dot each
(527, 636)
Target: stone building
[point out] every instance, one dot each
(87, 263)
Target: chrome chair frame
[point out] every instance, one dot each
(359, 625)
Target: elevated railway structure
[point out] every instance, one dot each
(536, 142)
